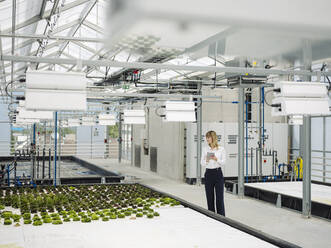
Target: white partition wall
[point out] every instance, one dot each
(276, 135)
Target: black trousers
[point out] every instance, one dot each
(214, 185)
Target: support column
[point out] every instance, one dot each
(306, 155)
(241, 142)
(260, 134)
(33, 154)
(324, 148)
(199, 137)
(305, 141)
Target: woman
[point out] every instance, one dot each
(212, 158)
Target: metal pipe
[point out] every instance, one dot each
(262, 92)
(273, 164)
(199, 137)
(246, 138)
(241, 143)
(8, 175)
(38, 163)
(43, 168)
(261, 147)
(305, 140)
(324, 148)
(40, 36)
(166, 96)
(251, 164)
(257, 164)
(49, 162)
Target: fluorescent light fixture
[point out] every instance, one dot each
(106, 120)
(182, 116)
(55, 100)
(28, 114)
(179, 106)
(177, 111)
(26, 121)
(53, 80)
(300, 89)
(300, 98)
(300, 106)
(50, 90)
(134, 116)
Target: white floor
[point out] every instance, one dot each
(175, 227)
(282, 223)
(319, 193)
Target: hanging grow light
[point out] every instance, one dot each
(134, 116)
(177, 111)
(50, 90)
(106, 120)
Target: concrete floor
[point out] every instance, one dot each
(282, 223)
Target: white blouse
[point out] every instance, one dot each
(220, 154)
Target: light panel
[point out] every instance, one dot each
(180, 111)
(106, 120)
(41, 115)
(53, 90)
(134, 116)
(300, 89)
(300, 106)
(55, 100)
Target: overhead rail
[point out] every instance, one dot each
(144, 65)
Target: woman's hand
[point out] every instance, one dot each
(213, 158)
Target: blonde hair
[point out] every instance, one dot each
(213, 135)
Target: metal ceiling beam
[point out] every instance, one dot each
(143, 65)
(53, 10)
(166, 96)
(42, 9)
(94, 27)
(87, 48)
(46, 15)
(65, 26)
(86, 11)
(40, 36)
